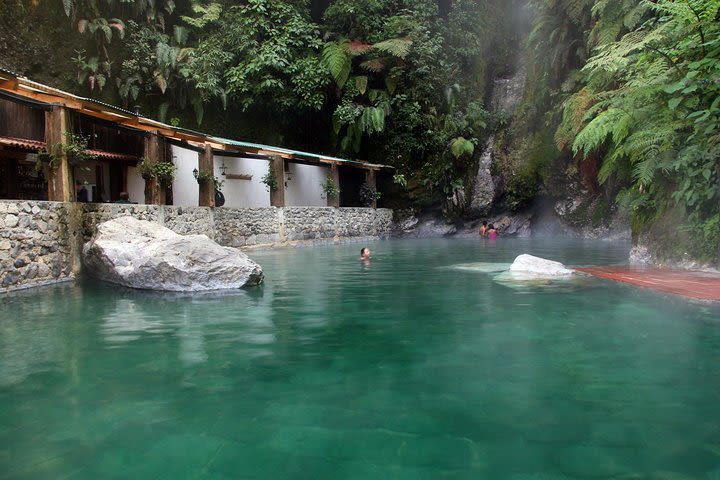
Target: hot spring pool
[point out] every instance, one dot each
(415, 366)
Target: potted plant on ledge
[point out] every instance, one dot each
(330, 188)
(368, 195)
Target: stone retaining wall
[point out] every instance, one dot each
(36, 243)
(239, 227)
(41, 242)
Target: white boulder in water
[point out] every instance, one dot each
(146, 255)
(530, 265)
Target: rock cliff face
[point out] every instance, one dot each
(146, 255)
(507, 92)
(525, 185)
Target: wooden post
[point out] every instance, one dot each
(154, 195)
(334, 201)
(277, 197)
(60, 185)
(370, 180)
(206, 196)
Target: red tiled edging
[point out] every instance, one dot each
(691, 284)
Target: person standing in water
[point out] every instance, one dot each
(491, 232)
(483, 229)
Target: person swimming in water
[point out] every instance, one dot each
(364, 253)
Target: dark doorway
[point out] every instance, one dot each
(117, 181)
(350, 181)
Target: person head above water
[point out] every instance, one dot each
(365, 253)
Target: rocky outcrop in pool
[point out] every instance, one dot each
(146, 255)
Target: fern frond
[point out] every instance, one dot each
(615, 164)
(633, 17)
(375, 65)
(594, 135)
(575, 10)
(336, 57)
(361, 82)
(397, 47)
(644, 171)
(650, 139)
(599, 7)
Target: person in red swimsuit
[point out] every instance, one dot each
(491, 232)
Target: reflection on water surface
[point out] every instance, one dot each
(417, 364)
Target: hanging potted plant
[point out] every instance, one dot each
(145, 169)
(206, 177)
(164, 172)
(76, 148)
(43, 158)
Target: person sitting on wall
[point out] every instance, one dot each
(124, 198)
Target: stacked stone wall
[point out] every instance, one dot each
(189, 220)
(358, 222)
(37, 244)
(309, 223)
(94, 214)
(41, 242)
(240, 227)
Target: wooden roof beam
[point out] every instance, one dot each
(273, 153)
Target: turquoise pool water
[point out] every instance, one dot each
(409, 367)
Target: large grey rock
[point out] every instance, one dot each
(146, 255)
(528, 264)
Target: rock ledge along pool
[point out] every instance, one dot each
(425, 363)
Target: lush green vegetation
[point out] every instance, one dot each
(400, 82)
(641, 98)
(622, 96)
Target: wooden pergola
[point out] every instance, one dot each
(61, 109)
